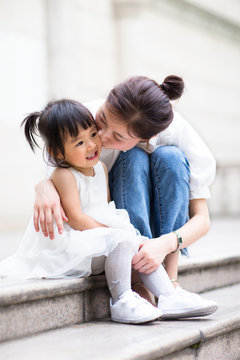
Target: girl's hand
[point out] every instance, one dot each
(151, 253)
(46, 207)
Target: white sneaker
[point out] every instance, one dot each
(133, 309)
(184, 304)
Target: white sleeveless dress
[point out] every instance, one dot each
(70, 255)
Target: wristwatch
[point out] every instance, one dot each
(179, 238)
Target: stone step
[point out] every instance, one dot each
(32, 306)
(213, 337)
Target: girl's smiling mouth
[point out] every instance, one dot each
(93, 156)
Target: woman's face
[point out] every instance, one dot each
(113, 131)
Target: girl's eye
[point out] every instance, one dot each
(94, 134)
(79, 143)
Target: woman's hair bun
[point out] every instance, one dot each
(173, 87)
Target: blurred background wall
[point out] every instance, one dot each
(81, 48)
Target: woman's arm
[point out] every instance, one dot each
(46, 207)
(66, 186)
(153, 251)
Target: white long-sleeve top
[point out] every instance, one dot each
(180, 134)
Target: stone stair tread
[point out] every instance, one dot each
(104, 339)
(28, 307)
(14, 291)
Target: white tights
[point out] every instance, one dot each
(118, 267)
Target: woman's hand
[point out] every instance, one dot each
(152, 252)
(46, 207)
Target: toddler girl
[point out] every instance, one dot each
(97, 237)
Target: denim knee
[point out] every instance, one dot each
(172, 160)
(136, 159)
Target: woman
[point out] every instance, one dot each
(159, 171)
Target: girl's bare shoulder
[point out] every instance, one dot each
(63, 174)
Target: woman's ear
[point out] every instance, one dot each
(147, 140)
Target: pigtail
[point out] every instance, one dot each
(31, 129)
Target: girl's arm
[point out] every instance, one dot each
(106, 173)
(152, 252)
(66, 186)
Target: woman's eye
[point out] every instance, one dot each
(102, 119)
(79, 143)
(117, 139)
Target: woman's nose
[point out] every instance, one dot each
(105, 135)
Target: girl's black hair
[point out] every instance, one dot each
(53, 124)
(144, 105)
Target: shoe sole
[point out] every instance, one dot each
(139, 321)
(187, 313)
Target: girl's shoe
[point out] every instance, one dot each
(184, 304)
(132, 309)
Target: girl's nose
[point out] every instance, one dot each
(91, 144)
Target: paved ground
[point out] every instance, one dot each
(222, 240)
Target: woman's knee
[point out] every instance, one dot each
(136, 159)
(171, 159)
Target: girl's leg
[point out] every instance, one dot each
(130, 187)
(125, 305)
(170, 174)
(158, 282)
(175, 304)
(118, 267)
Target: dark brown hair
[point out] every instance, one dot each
(57, 120)
(144, 104)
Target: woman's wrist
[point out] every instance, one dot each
(172, 242)
(42, 184)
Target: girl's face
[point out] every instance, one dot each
(113, 131)
(83, 152)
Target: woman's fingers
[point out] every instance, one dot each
(150, 270)
(64, 217)
(36, 219)
(147, 259)
(139, 265)
(59, 216)
(49, 223)
(42, 222)
(45, 216)
(137, 257)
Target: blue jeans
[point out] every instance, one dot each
(154, 189)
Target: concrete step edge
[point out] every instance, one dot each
(209, 263)
(16, 292)
(208, 338)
